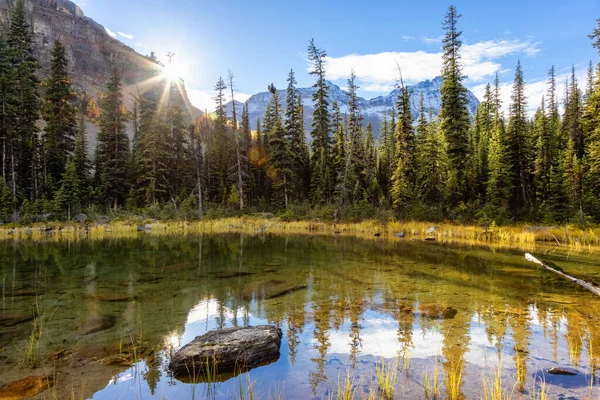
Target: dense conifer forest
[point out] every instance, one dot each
(500, 166)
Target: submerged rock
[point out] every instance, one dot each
(436, 311)
(26, 387)
(230, 350)
(12, 319)
(98, 323)
(269, 289)
(562, 371)
(111, 297)
(232, 274)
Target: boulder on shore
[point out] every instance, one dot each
(230, 350)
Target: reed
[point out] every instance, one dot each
(493, 388)
(516, 236)
(431, 383)
(453, 380)
(387, 375)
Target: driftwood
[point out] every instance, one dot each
(582, 283)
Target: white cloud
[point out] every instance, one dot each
(377, 71)
(430, 40)
(126, 35)
(534, 90)
(203, 99)
(110, 33)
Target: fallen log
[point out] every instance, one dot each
(580, 282)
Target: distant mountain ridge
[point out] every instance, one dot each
(372, 110)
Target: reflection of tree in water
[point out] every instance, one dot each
(520, 325)
(321, 334)
(574, 335)
(455, 345)
(152, 373)
(357, 308)
(295, 325)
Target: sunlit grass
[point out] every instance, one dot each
(493, 388)
(344, 389)
(453, 381)
(431, 383)
(522, 237)
(387, 375)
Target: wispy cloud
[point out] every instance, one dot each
(126, 35)
(430, 40)
(110, 33)
(378, 71)
(535, 89)
(204, 99)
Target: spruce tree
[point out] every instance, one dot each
(80, 153)
(60, 115)
(454, 114)
(433, 166)
(219, 150)
(152, 160)
(403, 179)
(113, 144)
(68, 195)
(339, 147)
(294, 130)
(279, 154)
(22, 140)
(354, 184)
(320, 161)
(517, 148)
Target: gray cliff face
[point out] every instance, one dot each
(90, 49)
(372, 110)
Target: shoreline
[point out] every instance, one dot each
(506, 237)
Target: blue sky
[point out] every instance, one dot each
(261, 40)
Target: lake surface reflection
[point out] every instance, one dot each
(114, 311)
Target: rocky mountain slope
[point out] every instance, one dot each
(372, 110)
(90, 48)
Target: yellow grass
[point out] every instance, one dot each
(522, 237)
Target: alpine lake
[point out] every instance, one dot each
(101, 319)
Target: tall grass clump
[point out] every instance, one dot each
(387, 375)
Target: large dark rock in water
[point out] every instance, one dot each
(227, 351)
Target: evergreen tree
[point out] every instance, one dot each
(592, 123)
(80, 153)
(433, 166)
(22, 142)
(372, 185)
(279, 154)
(517, 148)
(219, 150)
(294, 130)
(320, 161)
(113, 144)
(403, 179)
(68, 195)
(543, 159)
(454, 114)
(339, 147)
(385, 159)
(498, 183)
(152, 159)
(60, 115)
(354, 184)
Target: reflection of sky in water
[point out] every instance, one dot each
(379, 338)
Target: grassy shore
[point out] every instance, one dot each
(522, 237)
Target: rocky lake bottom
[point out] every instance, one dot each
(102, 319)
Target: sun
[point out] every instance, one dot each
(172, 71)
